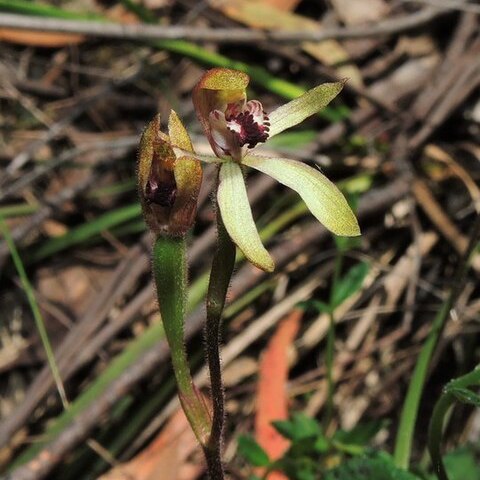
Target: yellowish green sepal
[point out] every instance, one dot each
(237, 216)
(322, 197)
(296, 111)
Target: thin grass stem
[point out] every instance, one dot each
(39, 323)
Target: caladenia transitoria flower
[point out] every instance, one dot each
(170, 176)
(234, 126)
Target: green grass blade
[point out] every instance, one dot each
(42, 331)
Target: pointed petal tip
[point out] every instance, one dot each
(297, 110)
(237, 217)
(349, 229)
(267, 264)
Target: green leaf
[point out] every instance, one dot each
(321, 196)
(378, 466)
(321, 445)
(462, 464)
(298, 428)
(237, 216)
(350, 283)
(361, 434)
(85, 231)
(296, 111)
(344, 244)
(302, 468)
(317, 305)
(252, 451)
(465, 395)
(355, 441)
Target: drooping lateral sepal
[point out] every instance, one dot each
(237, 216)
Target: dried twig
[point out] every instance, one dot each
(219, 35)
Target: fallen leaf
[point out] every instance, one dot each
(39, 39)
(267, 17)
(166, 457)
(56, 40)
(272, 401)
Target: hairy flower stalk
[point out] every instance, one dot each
(168, 188)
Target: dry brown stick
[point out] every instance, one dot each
(69, 155)
(86, 99)
(449, 71)
(219, 35)
(440, 219)
(55, 204)
(373, 203)
(402, 82)
(464, 86)
(46, 211)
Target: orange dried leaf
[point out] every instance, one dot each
(166, 457)
(272, 401)
(39, 39)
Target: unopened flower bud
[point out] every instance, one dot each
(168, 185)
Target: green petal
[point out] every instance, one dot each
(296, 111)
(237, 216)
(322, 197)
(178, 133)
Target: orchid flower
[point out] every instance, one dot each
(234, 126)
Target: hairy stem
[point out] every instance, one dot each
(222, 269)
(170, 275)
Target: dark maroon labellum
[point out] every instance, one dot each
(250, 127)
(163, 193)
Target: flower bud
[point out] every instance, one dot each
(168, 185)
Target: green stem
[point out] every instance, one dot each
(440, 410)
(222, 269)
(330, 352)
(408, 416)
(170, 275)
